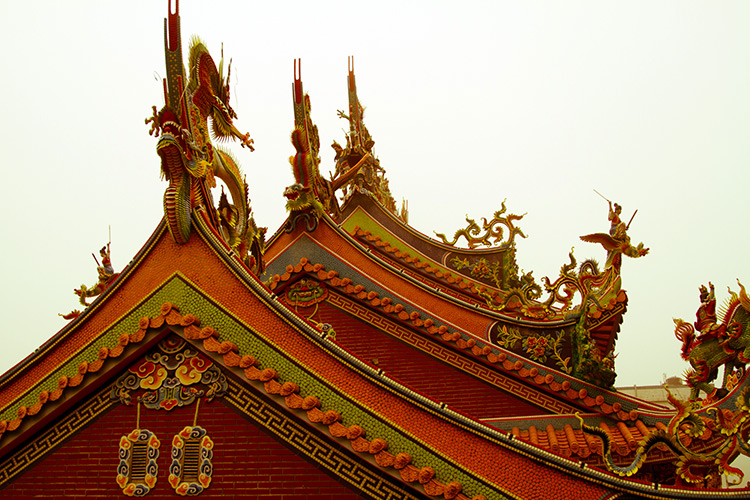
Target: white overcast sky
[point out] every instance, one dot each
(469, 103)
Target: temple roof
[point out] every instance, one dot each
(469, 312)
(414, 113)
(228, 318)
(131, 314)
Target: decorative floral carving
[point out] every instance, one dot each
(481, 269)
(508, 337)
(537, 347)
(562, 363)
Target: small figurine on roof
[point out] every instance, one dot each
(614, 217)
(106, 276)
(106, 267)
(705, 321)
(617, 242)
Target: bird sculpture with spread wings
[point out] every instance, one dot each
(617, 244)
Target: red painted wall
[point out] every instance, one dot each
(248, 463)
(422, 372)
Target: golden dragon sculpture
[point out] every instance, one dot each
(189, 160)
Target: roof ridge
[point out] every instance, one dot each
(462, 282)
(499, 359)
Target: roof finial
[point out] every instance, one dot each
(297, 85)
(173, 21)
(173, 55)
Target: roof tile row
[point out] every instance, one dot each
(499, 359)
(169, 315)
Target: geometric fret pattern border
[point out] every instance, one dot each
(452, 358)
(316, 448)
(50, 439)
(298, 436)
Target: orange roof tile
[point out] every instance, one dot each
(493, 355)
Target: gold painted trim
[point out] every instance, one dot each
(35, 450)
(311, 445)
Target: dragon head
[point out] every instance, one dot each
(210, 93)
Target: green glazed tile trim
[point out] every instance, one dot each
(365, 222)
(248, 342)
(190, 301)
(126, 325)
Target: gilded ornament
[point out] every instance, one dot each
(194, 485)
(171, 377)
(616, 242)
(305, 293)
(189, 160)
(704, 468)
(107, 276)
(311, 191)
(493, 231)
(718, 343)
(141, 438)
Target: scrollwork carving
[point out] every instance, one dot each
(493, 230)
